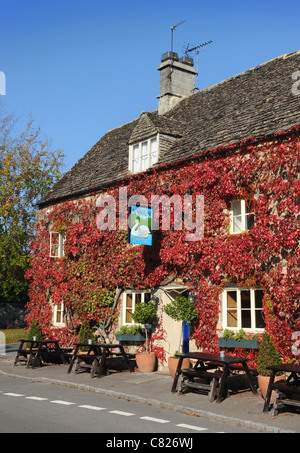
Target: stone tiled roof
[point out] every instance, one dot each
(255, 103)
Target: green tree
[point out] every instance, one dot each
(28, 168)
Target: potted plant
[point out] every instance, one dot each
(181, 309)
(145, 313)
(130, 333)
(267, 356)
(173, 363)
(240, 339)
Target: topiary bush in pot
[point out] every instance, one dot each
(267, 356)
(145, 313)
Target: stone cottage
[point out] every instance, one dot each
(235, 147)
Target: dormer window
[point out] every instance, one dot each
(143, 155)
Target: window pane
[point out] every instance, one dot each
(231, 309)
(237, 225)
(248, 206)
(59, 314)
(259, 294)
(245, 299)
(246, 318)
(136, 151)
(232, 318)
(153, 151)
(145, 149)
(54, 244)
(135, 166)
(231, 299)
(236, 207)
(144, 163)
(147, 297)
(144, 157)
(128, 308)
(249, 221)
(135, 159)
(259, 322)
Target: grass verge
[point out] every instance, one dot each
(13, 335)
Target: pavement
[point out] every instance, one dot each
(240, 408)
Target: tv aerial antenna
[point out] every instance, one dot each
(188, 50)
(174, 27)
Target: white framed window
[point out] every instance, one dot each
(130, 301)
(143, 155)
(58, 315)
(242, 309)
(242, 217)
(57, 244)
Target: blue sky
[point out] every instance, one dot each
(81, 68)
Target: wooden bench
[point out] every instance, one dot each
(86, 362)
(200, 379)
(286, 395)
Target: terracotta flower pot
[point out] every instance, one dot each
(263, 382)
(146, 362)
(173, 362)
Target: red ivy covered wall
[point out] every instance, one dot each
(97, 262)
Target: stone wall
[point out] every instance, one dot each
(12, 316)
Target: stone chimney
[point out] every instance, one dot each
(177, 80)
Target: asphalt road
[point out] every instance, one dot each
(35, 407)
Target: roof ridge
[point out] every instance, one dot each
(236, 76)
(282, 57)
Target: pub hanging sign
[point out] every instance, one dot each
(140, 224)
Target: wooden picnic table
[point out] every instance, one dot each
(95, 358)
(287, 390)
(39, 352)
(212, 368)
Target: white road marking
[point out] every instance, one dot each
(65, 403)
(197, 428)
(126, 414)
(157, 420)
(13, 394)
(94, 408)
(36, 398)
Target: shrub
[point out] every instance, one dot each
(86, 333)
(267, 356)
(182, 309)
(135, 328)
(145, 313)
(34, 331)
(228, 334)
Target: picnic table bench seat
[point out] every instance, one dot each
(200, 379)
(86, 362)
(286, 395)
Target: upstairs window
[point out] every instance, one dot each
(143, 155)
(242, 217)
(242, 309)
(57, 244)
